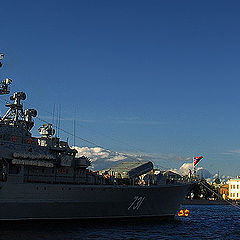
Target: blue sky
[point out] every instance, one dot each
(159, 77)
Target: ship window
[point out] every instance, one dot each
(233, 186)
(237, 186)
(237, 194)
(233, 194)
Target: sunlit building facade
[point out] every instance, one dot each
(224, 191)
(234, 189)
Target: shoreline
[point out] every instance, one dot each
(206, 202)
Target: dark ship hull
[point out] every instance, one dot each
(49, 201)
(44, 178)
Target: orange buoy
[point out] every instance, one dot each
(184, 213)
(180, 213)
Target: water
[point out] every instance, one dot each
(204, 222)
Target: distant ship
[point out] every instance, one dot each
(42, 177)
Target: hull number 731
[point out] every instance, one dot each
(137, 202)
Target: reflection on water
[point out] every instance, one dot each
(204, 222)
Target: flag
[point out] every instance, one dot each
(196, 160)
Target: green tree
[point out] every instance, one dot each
(217, 181)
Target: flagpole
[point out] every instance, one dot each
(195, 162)
(194, 170)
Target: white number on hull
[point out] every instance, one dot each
(137, 202)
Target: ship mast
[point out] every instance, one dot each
(15, 114)
(4, 84)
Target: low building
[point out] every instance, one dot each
(171, 175)
(234, 189)
(224, 191)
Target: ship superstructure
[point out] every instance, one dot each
(42, 177)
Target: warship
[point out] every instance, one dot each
(44, 178)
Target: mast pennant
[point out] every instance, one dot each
(196, 160)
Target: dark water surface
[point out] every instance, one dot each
(204, 222)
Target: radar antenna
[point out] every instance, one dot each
(15, 113)
(4, 84)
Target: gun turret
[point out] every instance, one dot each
(29, 114)
(46, 130)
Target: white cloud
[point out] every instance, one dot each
(184, 169)
(232, 152)
(117, 158)
(201, 172)
(103, 158)
(94, 153)
(175, 171)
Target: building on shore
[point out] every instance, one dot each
(234, 189)
(224, 191)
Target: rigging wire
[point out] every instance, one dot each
(97, 132)
(57, 125)
(220, 196)
(95, 144)
(53, 113)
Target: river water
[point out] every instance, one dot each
(204, 222)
